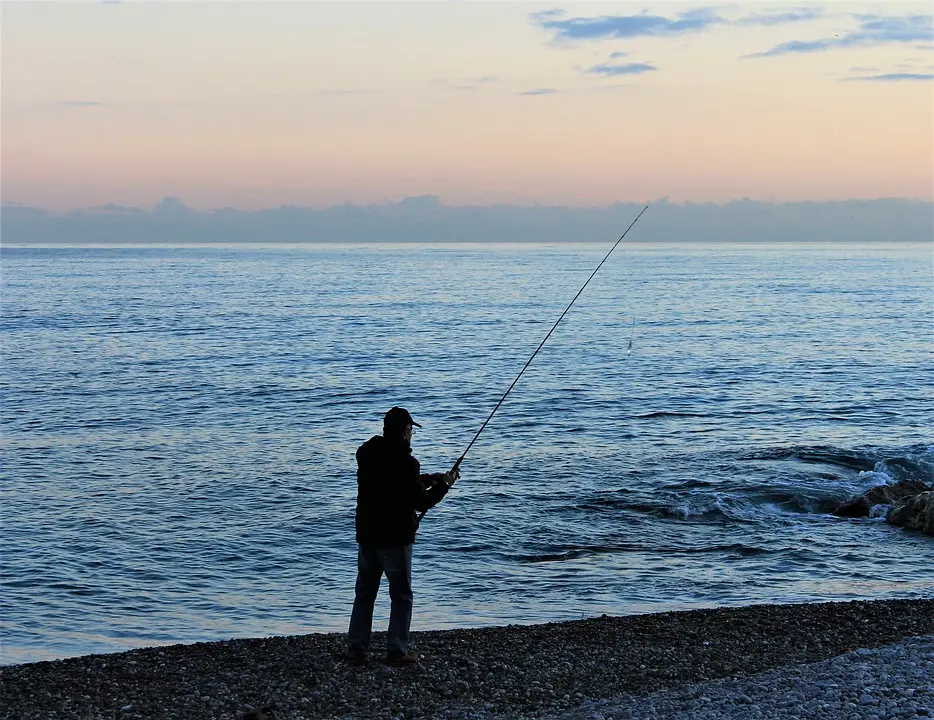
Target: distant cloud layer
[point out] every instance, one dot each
(425, 219)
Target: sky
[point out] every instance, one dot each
(262, 104)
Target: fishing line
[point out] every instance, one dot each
(454, 469)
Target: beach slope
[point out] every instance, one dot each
(508, 672)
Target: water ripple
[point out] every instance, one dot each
(179, 427)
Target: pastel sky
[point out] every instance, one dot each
(258, 104)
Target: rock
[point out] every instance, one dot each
(267, 713)
(914, 513)
(857, 507)
(880, 495)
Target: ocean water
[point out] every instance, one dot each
(179, 427)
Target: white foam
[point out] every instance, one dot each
(875, 478)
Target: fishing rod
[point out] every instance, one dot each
(454, 469)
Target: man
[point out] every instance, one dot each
(390, 490)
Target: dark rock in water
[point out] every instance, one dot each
(914, 513)
(903, 469)
(857, 507)
(881, 495)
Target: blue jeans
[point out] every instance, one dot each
(372, 562)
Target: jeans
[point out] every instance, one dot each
(372, 562)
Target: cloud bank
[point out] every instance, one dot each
(425, 219)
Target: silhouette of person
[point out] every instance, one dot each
(390, 491)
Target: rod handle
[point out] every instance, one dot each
(453, 471)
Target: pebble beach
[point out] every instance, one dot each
(859, 659)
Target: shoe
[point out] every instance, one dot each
(355, 656)
(399, 659)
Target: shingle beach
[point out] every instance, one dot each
(860, 659)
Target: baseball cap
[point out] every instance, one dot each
(398, 417)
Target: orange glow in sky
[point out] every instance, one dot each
(262, 104)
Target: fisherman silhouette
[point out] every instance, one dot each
(390, 490)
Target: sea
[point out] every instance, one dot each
(179, 426)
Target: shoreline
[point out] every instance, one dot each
(509, 671)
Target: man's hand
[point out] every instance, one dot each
(449, 478)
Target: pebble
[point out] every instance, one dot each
(901, 667)
(856, 660)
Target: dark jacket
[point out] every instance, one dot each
(390, 490)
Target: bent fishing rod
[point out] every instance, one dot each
(454, 470)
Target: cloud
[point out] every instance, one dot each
(893, 77)
(448, 85)
(797, 46)
(425, 219)
(113, 208)
(625, 69)
(625, 26)
(171, 205)
(873, 30)
(472, 83)
(79, 103)
(617, 55)
(347, 91)
(777, 18)
(475, 83)
(540, 91)
(908, 28)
